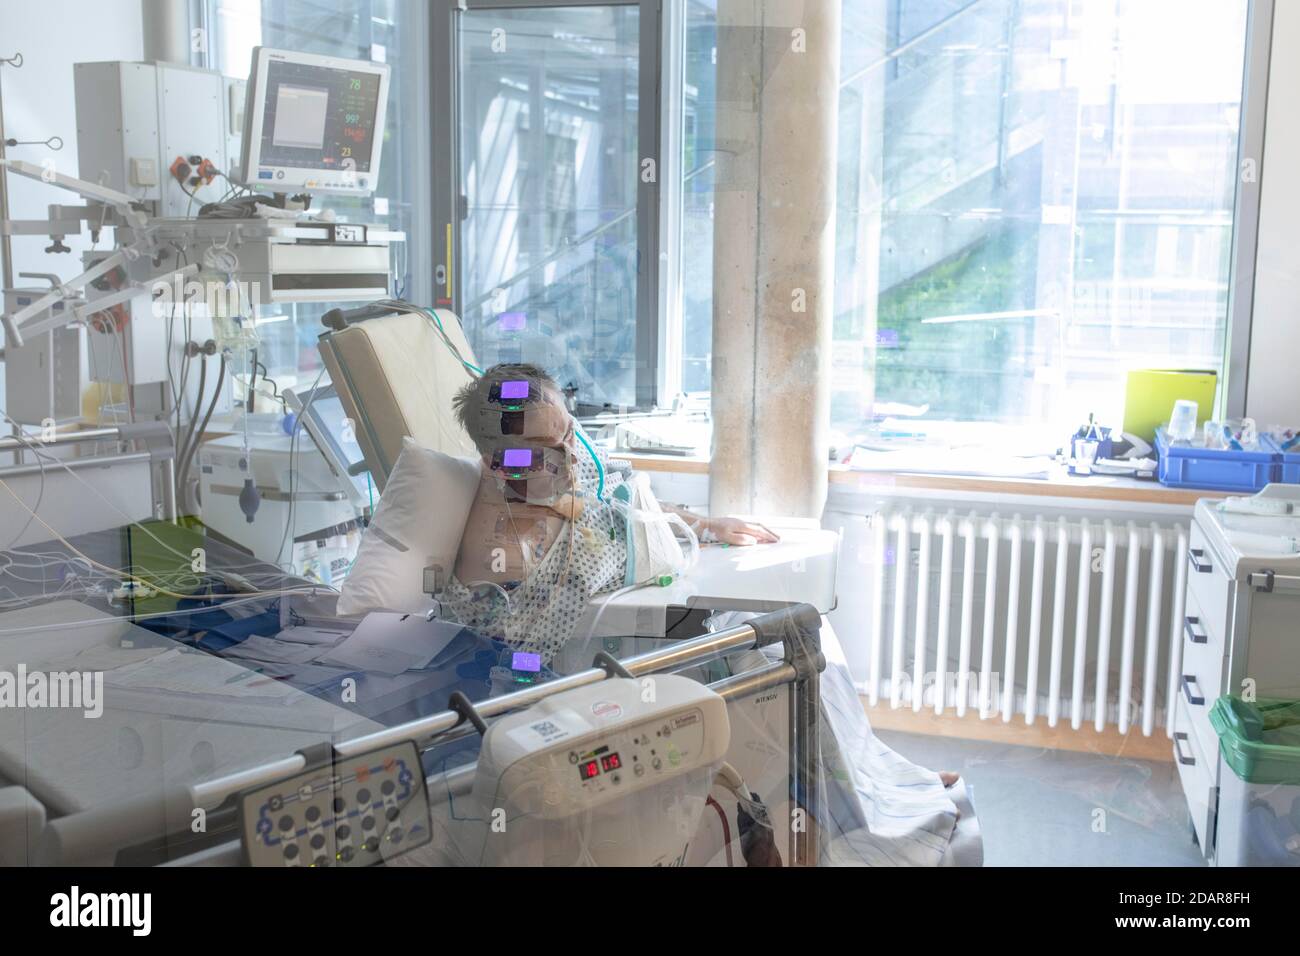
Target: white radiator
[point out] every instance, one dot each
(1073, 620)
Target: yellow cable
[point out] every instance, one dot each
(117, 572)
(77, 551)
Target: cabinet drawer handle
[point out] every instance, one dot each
(1187, 760)
(1189, 626)
(1196, 699)
(1194, 555)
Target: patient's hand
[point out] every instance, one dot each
(739, 531)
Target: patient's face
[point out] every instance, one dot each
(548, 422)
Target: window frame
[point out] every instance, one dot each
(449, 202)
(1245, 209)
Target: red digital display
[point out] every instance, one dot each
(610, 762)
(588, 769)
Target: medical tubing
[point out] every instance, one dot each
(609, 598)
(600, 468)
(433, 314)
(179, 452)
(43, 456)
(505, 595)
(100, 621)
(672, 518)
(198, 434)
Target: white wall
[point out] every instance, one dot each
(38, 104)
(1273, 383)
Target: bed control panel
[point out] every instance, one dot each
(581, 749)
(355, 811)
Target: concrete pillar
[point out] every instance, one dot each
(773, 254)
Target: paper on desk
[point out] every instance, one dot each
(257, 648)
(390, 643)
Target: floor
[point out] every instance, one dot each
(1041, 807)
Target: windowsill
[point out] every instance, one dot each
(1095, 488)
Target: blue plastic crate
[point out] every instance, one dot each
(1187, 466)
(1288, 468)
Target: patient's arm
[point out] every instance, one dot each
(737, 531)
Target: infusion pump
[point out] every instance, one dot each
(613, 774)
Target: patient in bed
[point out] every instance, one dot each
(545, 532)
(545, 535)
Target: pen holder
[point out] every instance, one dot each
(1105, 449)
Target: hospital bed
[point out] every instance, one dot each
(396, 369)
(773, 698)
(182, 715)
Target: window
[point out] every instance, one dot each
(548, 188)
(1033, 197)
(388, 31)
(549, 103)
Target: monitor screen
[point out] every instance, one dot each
(299, 118)
(318, 117)
(314, 122)
(328, 424)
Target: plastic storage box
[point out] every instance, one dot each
(1259, 782)
(1288, 469)
(1187, 466)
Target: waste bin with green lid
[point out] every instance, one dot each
(1259, 782)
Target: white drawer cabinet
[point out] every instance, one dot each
(1241, 634)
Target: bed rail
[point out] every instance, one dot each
(797, 628)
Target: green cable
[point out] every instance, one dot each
(432, 313)
(600, 469)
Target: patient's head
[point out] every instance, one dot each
(512, 401)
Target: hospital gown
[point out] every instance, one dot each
(880, 809)
(541, 613)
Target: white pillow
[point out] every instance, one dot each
(419, 522)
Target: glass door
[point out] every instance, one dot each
(556, 193)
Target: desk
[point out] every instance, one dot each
(764, 577)
(1100, 488)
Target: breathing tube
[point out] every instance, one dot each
(600, 469)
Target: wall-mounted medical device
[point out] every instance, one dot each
(135, 121)
(612, 774)
(313, 123)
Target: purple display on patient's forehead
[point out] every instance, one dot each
(523, 661)
(512, 321)
(518, 389)
(517, 458)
